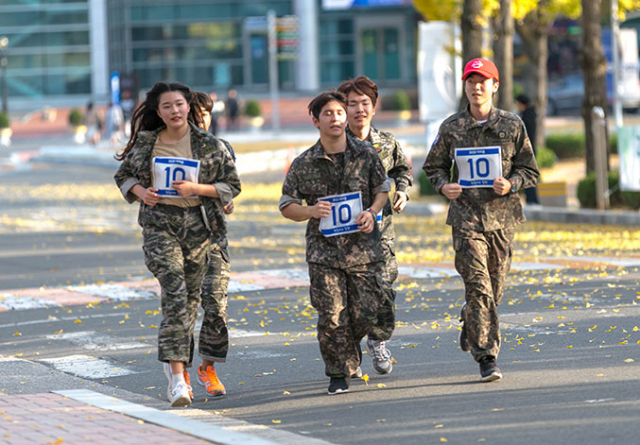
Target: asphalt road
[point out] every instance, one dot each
(570, 337)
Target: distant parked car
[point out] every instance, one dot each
(566, 96)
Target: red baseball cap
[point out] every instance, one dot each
(483, 67)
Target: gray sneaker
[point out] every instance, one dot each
(380, 355)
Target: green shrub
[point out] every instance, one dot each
(545, 158)
(566, 146)
(587, 192)
(252, 109)
(75, 117)
(4, 120)
(572, 145)
(426, 189)
(400, 101)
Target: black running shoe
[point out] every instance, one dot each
(338, 385)
(489, 371)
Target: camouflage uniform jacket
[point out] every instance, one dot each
(312, 176)
(216, 167)
(481, 209)
(395, 164)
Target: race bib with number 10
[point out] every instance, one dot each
(345, 208)
(478, 166)
(168, 170)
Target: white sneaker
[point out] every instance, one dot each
(177, 394)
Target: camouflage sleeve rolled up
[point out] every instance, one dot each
(290, 190)
(525, 169)
(401, 171)
(126, 181)
(378, 178)
(228, 183)
(437, 165)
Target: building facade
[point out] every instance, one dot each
(65, 51)
(50, 57)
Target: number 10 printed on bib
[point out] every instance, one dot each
(478, 166)
(168, 170)
(345, 208)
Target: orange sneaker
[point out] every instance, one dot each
(187, 379)
(209, 379)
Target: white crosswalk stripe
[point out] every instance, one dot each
(88, 367)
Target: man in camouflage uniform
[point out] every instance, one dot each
(362, 96)
(482, 219)
(346, 288)
(213, 344)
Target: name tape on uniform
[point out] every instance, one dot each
(345, 208)
(478, 166)
(167, 170)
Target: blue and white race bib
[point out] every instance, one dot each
(345, 208)
(478, 166)
(167, 170)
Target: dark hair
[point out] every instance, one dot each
(360, 85)
(318, 102)
(199, 101)
(523, 99)
(145, 117)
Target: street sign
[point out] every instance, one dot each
(287, 37)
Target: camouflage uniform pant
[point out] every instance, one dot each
(483, 259)
(176, 246)
(213, 343)
(347, 301)
(386, 317)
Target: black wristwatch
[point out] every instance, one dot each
(514, 188)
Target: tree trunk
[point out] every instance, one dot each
(471, 27)
(503, 49)
(534, 31)
(594, 69)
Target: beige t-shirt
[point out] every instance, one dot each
(181, 149)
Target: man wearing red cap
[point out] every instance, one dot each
(492, 160)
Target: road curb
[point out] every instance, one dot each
(582, 216)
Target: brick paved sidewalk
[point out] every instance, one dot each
(54, 419)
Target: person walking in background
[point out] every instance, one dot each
(344, 185)
(362, 97)
(217, 110)
(529, 116)
(213, 344)
(128, 104)
(182, 176)
(114, 123)
(492, 159)
(93, 122)
(232, 107)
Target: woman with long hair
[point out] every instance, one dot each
(183, 177)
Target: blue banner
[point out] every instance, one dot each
(349, 4)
